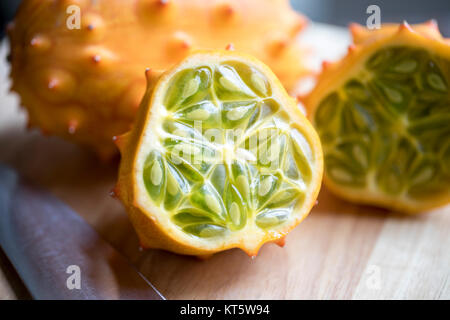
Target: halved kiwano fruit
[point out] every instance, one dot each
(220, 157)
(383, 115)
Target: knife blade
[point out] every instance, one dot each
(56, 253)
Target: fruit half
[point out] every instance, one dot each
(220, 157)
(383, 115)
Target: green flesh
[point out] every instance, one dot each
(388, 129)
(230, 156)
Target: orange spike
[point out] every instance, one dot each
(351, 48)
(432, 24)
(163, 3)
(405, 26)
(115, 192)
(226, 10)
(185, 44)
(300, 98)
(355, 27)
(155, 9)
(326, 65)
(298, 26)
(96, 58)
(281, 44)
(148, 74)
(120, 141)
(34, 42)
(280, 242)
(151, 76)
(40, 43)
(251, 253)
(181, 40)
(278, 46)
(53, 83)
(72, 127)
(229, 47)
(142, 246)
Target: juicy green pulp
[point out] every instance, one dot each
(389, 126)
(219, 192)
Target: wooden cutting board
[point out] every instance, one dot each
(341, 251)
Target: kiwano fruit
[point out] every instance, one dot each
(383, 116)
(219, 157)
(86, 84)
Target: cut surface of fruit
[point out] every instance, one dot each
(383, 116)
(220, 157)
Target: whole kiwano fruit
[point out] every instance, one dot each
(383, 116)
(86, 84)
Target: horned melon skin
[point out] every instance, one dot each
(152, 228)
(335, 75)
(360, 34)
(86, 85)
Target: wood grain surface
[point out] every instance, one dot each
(341, 251)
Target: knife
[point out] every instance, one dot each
(56, 253)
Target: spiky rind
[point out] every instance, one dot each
(360, 34)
